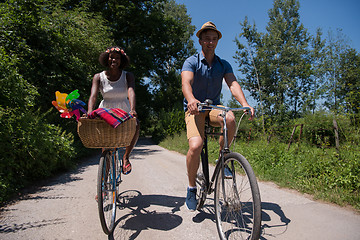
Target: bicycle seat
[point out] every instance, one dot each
(210, 129)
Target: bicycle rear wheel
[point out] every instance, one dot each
(237, 201)
(106, 191)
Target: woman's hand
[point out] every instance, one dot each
(134, 113)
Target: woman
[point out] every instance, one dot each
(118, 90)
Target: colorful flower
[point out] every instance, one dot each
(116, 49)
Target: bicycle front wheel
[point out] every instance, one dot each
(106, 191)
(237, 201)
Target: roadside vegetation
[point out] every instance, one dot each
(311, 165)
(307, 92)
(49, 46)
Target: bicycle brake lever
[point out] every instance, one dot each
(208, 102)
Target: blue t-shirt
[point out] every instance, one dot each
(207, 80)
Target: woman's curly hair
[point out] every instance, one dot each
(104, 57)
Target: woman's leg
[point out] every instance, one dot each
(126, 162)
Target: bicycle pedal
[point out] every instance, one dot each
(118, 183)
(200, 176)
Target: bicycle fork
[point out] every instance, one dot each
(225, 150)
(118, 166)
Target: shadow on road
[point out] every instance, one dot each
(15, 227)
(132, 207)
(33, 192)
(141, 149)
(274, 220)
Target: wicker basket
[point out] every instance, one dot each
(96, 133)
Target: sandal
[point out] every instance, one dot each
(126, 167)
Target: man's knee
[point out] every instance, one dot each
(195, 144)
(230, 119)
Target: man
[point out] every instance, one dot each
(202, 75)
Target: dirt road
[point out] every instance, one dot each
(65, 207)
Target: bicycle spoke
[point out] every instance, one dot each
(107, 192)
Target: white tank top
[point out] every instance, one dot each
(114, 93)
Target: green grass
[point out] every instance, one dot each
(177, 143)
(323, 173)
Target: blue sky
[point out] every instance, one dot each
(227, 14)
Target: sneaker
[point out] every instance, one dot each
(227, 172)
(191, 201)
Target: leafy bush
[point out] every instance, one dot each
(16, 92)
(168, 124)
(31, 149)
(319, 129)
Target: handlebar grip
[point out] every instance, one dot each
(207, 102)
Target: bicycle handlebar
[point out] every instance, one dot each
(207, 105)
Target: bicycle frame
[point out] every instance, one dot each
(116, 157)
(204, 153)
(205, 166)
(235, 186)
(115, 153)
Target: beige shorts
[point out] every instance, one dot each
(195, 124)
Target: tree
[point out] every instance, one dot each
(31, 148)
(157, 37)
(317, 75)
(167, 81)
(336, 46)
(58, 48)
(281, 57)
(48, 46)
(349, 84)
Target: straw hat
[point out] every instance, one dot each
(208, 25)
